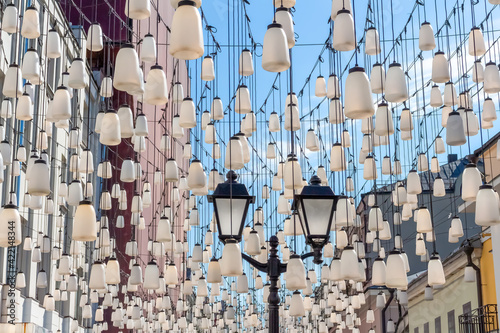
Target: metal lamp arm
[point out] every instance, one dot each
(256, 264)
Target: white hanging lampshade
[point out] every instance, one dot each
(344, 36)
(377, 78)
(487, 212)
(274, 122)
(338, 5)
(275, 55)
(439, 189)
(383, 120)
(171, 171)
(439, 147)
(413, 185)
(292, 118)
(336, 112)
(396, 90)
(186, 38)
(312, 141)
(369, 168)
(440, 68)
(491, 78)
(6, 109)
(242, 102)
(406, 123)
(137, 9)
(177, 93)
(244, 146)
(271, 151)
(456, 228)
(375, 219)
(344, 215)
(337, 158)
(217, 110)
(378, 272)
(30, 28)
(12, 84)
(246, 63)
(113, 271)
(210, 134)
(196, 176)
(84, 223)
(187, 114)
(426, 41)
(61, 104)
(94, 38)
(450, 97)
(422, 162)
(471, 182)
(372, 44)
(24, 108)
(477, 47)
(207, 69)
(127, 173)
(151, 276)
(171, 277)
(77, 74)
(471, 122)
(435, 272)
(127, 74)
(489, 110)
(53, 44)
(424, 220)
(234, 154)
(135, 277)
(358, 95)
(231, 261)
(148, 49)
(10, 21)
(396, 266)
(333, 89)
(10, 224)
(156, 89)
(31, 66)
(284, 18)
(320, 87)
(455, 134)
(295, 274)
(97, 278)
(349, 264)
(478, 72)
(292, 174)
(39, 183)
(110, 129)
(297, 305)
(141, 125)
(126, 121)
(436, 97)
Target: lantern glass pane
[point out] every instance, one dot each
(230, 214)
(318, 213)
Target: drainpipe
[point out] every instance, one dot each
(389, 301)
(468, 251)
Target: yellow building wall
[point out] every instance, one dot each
(487, 274)
(453, 296)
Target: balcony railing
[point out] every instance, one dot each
(480, 320)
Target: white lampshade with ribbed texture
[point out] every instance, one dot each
(275, 55)
(358, 95)
(186, 39)
(156, 89)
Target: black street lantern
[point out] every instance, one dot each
(315, 206)
(231, 200)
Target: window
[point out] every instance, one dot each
(451, 321)
(437, 325)
(415, 330)
(426, 328)
(467, 308)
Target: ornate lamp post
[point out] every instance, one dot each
(315, 205)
